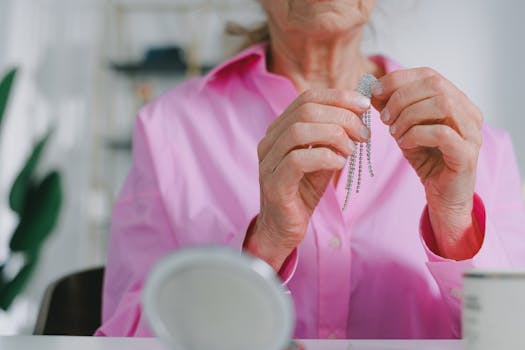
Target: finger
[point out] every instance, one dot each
(301, 135)
(421, 113)
(317, 114)
(455, 150)
(413, 92)
(436, 110)
(346, 99)
(389, 83)
(433, 110)
(295, 164)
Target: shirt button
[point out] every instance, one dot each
(335, 242)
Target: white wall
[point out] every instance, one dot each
(4, 9)
(477, 44)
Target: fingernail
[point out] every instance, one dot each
(362, 101)
(341, 160)
(351, 145)
(393, 129)
(364, 133)
(377, 89)
(385, 115)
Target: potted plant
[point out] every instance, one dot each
(36, 200)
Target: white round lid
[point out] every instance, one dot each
(216, 298)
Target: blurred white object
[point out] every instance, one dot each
(217, 298)
(494, 309)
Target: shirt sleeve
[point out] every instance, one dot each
(142, 232)
(503, 229)
(140, 235)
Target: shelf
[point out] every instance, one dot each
(119, 145)
(159, 61)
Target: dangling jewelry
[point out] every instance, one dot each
(366, 83)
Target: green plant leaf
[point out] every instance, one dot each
(39, 216)
(10, 289)
(5, 91)
(18, 193)
(2, 277)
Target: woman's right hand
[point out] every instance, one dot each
(298, 157)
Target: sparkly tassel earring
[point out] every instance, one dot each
(356, 159)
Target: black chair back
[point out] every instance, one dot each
(72, 305)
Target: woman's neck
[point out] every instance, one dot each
(314, 63)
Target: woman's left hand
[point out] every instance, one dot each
(438, 130)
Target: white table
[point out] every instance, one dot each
(96, 343)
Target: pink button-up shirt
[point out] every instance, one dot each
(367, 272)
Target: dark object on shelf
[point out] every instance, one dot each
(72, 305)
(119, 144)
(161, 60)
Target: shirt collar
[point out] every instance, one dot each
(256, 52)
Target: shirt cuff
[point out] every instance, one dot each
(427, 233)
(290, 264)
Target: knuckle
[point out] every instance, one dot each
(477, 138)
(473, 156)
(443, 132)
(261, 147)
(294, 159)
(272, 126)
(308, 95)
(295, 132)
(437, 82)
(340, 118)
(428, 71)
(330, 158)
(322, 157)
(479, 121)
(346, 119)
(324, 153)
(308, 112)
(475, 115)
(264, 173)
(396, 99)
(478, 115)
(262, 177)
(445, 104)
(338, 132)
(480, 140)
(345, 96)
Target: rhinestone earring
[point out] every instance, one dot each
(356, 159)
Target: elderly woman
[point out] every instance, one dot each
(253, 156)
